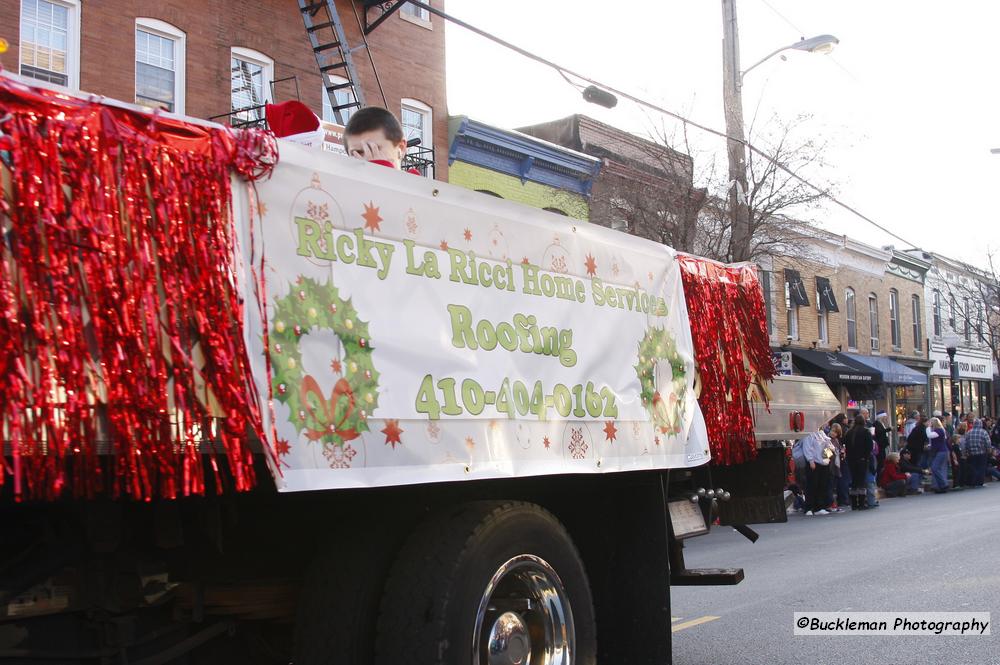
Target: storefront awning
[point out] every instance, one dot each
(893, 372)
(834, 367)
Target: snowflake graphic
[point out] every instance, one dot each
(318, 213)
(559, 264)
(339, 456)
(433, 430)
(615, 269)
(411, 222)
(577, 446)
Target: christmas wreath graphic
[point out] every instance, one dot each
(343, 415)
(665, 405)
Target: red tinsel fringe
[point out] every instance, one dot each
(728, 325)
(121, 344)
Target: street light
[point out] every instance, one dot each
(822, 44)
(739, 245)
(951, 346)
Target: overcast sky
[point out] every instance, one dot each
(908, 101)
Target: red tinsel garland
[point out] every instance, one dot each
(124, 371)
(728, 325)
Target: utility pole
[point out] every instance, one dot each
(732, 95)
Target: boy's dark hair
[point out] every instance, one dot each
(374, 117)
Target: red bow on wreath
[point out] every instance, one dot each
(325, 420)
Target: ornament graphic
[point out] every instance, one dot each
(523, 435)
(556, 258)
(497, 246)
(577, 440)
(343, 415)
(315, 209)
(663, 378)
(411, 223)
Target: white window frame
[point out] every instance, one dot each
(823, 327)
(851, 312)
(894, 327)
(427, 141)
(332, 79)
(416, 15)
(873, 327)
(164, 29)
(936, 313)
(72, 41)
(967, 332)
(791, 314)
(254, 58)
(918, 335)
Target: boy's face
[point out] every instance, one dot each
(372, 145)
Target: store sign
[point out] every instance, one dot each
(969, 367)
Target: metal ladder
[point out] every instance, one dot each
(329, 44)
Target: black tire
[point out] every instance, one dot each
(429, 609)
(339, 601)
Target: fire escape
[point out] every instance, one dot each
(334, 57)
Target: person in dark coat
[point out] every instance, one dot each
(859, 443)
(917, 442)
(882, 440)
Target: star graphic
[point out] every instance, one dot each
(650, 275)
(591, 265)
(444, 245)
(392, 432)
(282, 447)
(470, 443)
(546, 442)
(337, 367)
(468, 234)
(610, 430)
(494, 425)
(656, 440)
(371, 217)
(525, 261)
(262, 208)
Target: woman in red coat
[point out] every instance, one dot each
(892, 480)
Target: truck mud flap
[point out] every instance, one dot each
(756, 489)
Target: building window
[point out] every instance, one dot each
(937, 313)
(414, 13)
(342, 97)
(894, 318)
(417, 121)
(873, 320)
(952, 314)
(918, 341)
(251, 73)
(765, 286)
(980, 315)
(159, 65)
(852, 319)
(968, 320)
(822, 328)
(50, 41)
(792, 313)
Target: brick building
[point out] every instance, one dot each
(854, 315)
(206, 58)
(643, 188)
(518, 167)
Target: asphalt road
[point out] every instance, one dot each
(927, 553)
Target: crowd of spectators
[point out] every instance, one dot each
(848, 462)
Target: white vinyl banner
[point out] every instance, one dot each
(418, 332)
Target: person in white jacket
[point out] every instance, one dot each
(818, 453)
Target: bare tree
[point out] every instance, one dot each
(781, 206)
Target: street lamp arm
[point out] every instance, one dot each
(818, 44)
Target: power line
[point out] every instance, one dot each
(564, 71)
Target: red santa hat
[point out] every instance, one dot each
(291, 117)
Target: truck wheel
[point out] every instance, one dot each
(488, 583)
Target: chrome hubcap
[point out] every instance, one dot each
(524, 617)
